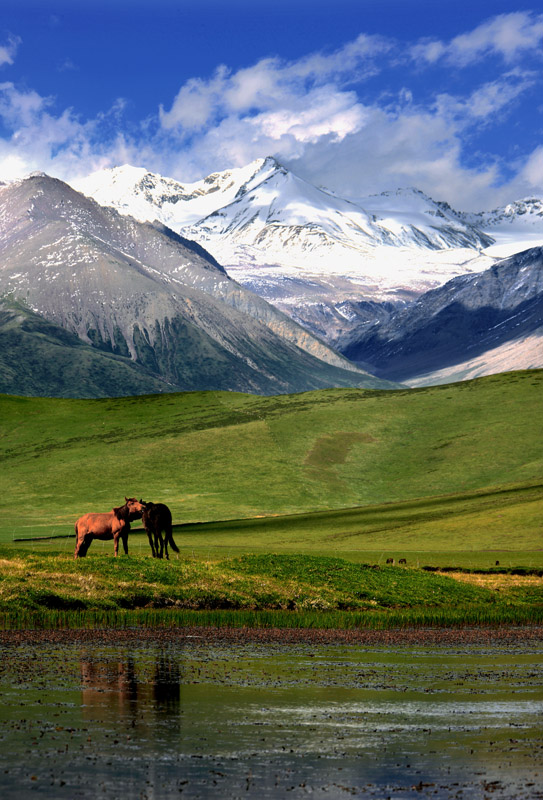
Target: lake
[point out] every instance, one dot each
(200, 718)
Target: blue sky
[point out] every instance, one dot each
(356, 95)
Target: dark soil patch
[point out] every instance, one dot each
(388, 638)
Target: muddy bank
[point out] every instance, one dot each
(394, 637)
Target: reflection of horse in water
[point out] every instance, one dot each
(111, 684)
(113, 524)
(158, 518)
(166, 688)
(125, 686)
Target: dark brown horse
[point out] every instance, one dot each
(157, 518)
(113, 524)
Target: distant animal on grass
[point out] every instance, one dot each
(114, 524)
(157, 518)
(402, 561)
(390, 561)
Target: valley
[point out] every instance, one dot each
(284, 460)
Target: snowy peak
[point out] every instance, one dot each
(264, 213)
(410, 214)
(295, 243)
(147, 195)
(285, 217)
(522, 214)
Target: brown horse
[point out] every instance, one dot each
(113, 524)
(157, 518)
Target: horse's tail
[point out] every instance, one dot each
(171, 542)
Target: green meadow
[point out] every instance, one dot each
(446, 476)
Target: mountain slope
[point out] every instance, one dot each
(473, 325)
(215, 456)
(143, 292)
(38, 357)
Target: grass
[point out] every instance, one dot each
(271, 589)
(284, 505)
(221, 455)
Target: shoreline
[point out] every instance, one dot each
(230, 635)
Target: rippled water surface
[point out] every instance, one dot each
(266, 720)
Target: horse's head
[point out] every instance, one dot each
(134, 507)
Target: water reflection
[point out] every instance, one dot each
(166, 685)
(117, 688)
(270, 721)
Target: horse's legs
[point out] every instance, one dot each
(124, 537)
(82, 546)
(159, 541)
(150, 537)
(116, 544)
(166, 544)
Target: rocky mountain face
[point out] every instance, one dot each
(150, 297)
(40, 358)
(357, 274)
(473, 325)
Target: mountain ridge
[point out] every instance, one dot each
(459, 329)
(289, 223)
(146, 293)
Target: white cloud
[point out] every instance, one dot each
(270, 85)
(315, 115)
(531, 173)
(196, 103)
(507, 35)
(413, 147)
(20, 108)
(9, 50)
(483, 105)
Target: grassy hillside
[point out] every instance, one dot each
(221, 455)
(45, 590)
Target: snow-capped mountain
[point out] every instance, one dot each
(148, 196)
(473, 325)
(514, 227)
(339, 267)
(141, 292)
(522, 215)
(292, 242)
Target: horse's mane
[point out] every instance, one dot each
(122, 512)
(148, 506)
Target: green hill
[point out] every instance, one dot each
(224, 456)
